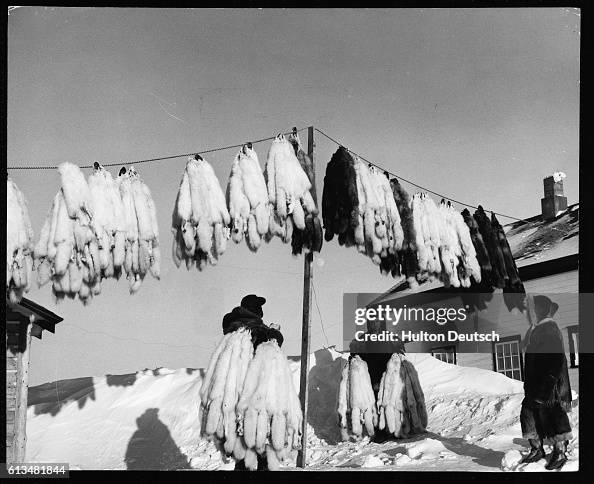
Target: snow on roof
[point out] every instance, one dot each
(536, 240)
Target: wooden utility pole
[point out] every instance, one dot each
(18, 339)
(306, 323)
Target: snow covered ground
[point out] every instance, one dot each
(149, 420)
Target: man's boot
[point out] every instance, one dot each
(536, 452)
(558, 457)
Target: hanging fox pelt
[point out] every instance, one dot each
(479, 246)
(248, 401)
(109, 221)
(247, 199)
(19, 243)
(499, 274)
(311, 237)
(200, 220)
(142, 253)
(400, 399)
(356, 400)
(68, 249)
(288, 190)
(408, 255)
(340, 198)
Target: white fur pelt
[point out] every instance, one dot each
(142, 252)
(400, 399)
(222, 386)
(427, 222)
(247, 199)
(462, 253)
(109, 221)
(19, 243)
(268, 410)
(449, 248)
(379, 231)
(200, 220)
(356, 401)
(288, 190)
(68, 248)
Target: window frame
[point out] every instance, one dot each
(573, 351)
(447, 347)
(508, 339)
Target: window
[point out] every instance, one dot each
(574, 352)
(447, 354)
(507, 358)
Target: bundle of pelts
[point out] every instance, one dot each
(247, 199)
(458, 257)
(378, 233)
(288, 190)
(356, 401)
(142, 253)
(68, 248)
(311, 237)
(499, 275)
(19, 243)
(109, 221)
(222, 386)
(406, 261)
(340, 200)
(426, 221)
(200, 220)
(482, 254)
(250, 404)
(400, 400)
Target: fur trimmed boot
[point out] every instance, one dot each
(558, 457)
(536, 452)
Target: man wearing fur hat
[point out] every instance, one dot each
(249, 315)
(546, 387)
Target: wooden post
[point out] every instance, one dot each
(21, 422)
(306, 323)
(17, 385)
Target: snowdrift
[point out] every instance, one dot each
(150, 420)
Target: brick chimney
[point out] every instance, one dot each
(553, 200)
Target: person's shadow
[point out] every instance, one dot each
(151, 447)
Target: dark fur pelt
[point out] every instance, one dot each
(339, 199)
(514, 296)
(311, 238)
(479, 246)
(408, 254)
(510, 263)
(498, 274)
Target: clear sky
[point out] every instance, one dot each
(478, 104)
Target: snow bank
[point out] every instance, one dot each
(150, 419)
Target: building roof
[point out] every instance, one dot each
(535, 240)
(42, 318)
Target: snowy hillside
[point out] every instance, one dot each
(149, 420)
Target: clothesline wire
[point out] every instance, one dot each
(413, 183)
(162, 158)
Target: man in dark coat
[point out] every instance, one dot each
(249, 315)
(546, 387)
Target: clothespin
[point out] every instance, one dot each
(96, 165)
(294, 131)
(122, 171)
(249, 145)
(197, 157)
(387, 174)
